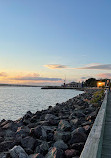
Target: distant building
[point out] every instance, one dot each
(73, 85)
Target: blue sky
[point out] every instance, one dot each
(34, 33)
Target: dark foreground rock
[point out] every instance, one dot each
(58, 132)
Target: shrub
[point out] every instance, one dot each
(97, 97)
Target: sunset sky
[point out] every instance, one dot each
(44, 41)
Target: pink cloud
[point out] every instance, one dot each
(3, 74)
(105, 75)
(56, 66)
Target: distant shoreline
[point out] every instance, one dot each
(17, 85)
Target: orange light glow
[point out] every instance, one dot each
(100, 84)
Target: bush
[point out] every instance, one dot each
(97, 97)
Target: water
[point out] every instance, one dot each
(16, 101)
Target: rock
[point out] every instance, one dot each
(36, 156)
(49, 128)
(59, 135)
(79, 114)
(28, 142)
(72, 116)
(92, 115)
(5, 122)
(64, 125)
(18, 152)
(43, 148)
(55, 153)
(26, 121)
(38, 132)
(19, 122)
(49, 107)
(78, 136)
(6, 145)
(42, 123)
(4, 155)
(2, 133)
(28, 151)
(70, 153)
(34, 118)
(87, 129)
(28, 115)
(1, 139)
(53, 122)
(88, 110)
(22, 131)
(50, 137)
(86, 123)
(10, 125)
(74, 122)
(50, 117)
(78, 146)
(60, 144)
(9, 135)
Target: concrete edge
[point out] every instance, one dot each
(93, 145)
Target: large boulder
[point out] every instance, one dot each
(60, 145)
(28, 142)
(6, 145)
(50, 137)
(78, 135)
(4, 122)
(50, 117)
(22, 131)
(70, 153)
(42, 148)
(10, 125)
(18, 152)
(64, 125)
(78, 146)
(79, 114)
(92, 115)
(38, 132)
(4, 155)
(74, 122)
(55, 153)
(59, 135)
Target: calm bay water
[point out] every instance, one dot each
(16, 101)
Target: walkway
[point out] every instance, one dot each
(106, 146)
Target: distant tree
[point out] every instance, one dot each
(91, 82)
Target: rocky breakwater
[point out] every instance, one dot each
(58, 132)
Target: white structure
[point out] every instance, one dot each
(73, 85)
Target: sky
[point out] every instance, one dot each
(42, 42)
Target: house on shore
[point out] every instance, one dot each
(73, 85)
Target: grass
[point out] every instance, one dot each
(97, 97)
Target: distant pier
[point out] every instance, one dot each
(60, 87)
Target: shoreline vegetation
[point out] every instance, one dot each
(57, 132)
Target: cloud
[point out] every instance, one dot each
(37, 79)
(55, 66)
(86, 77)
(34, 77)
(105, 75)
(3, 74)
(98, 67)
(89, 66)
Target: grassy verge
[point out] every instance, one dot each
(98, 96)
